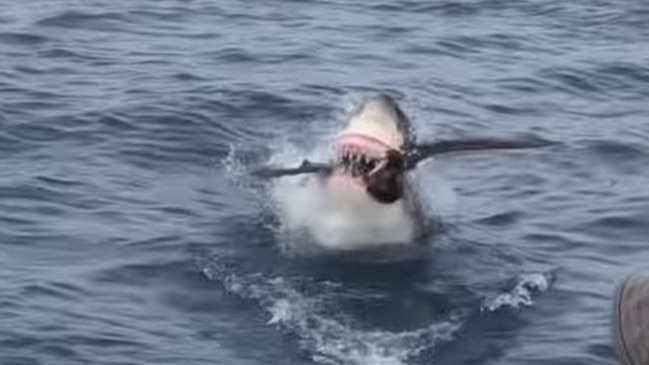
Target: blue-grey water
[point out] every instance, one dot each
(131, 233)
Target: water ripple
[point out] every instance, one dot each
(22, 39)
(74, 19)
(127, 130)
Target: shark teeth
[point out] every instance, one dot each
(355, 160)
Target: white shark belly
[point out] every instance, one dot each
(347, 218)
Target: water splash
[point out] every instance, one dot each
(521, 294)
(340, 219)
(232, 165)
(328, 336)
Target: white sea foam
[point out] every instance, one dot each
(233, 167)
(521, 294)
(340, 219)
(328, 337)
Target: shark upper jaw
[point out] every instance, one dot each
(355, 157)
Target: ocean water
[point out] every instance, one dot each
(132, 233)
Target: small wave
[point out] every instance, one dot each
(66, 53)
(454, 47)
(623, 79)
(520, 109)
(615, 151)
(10, 144)
(329, 338)
(443, 9)
(527, 285)
(634, 73)
(523, 84)
(499, 42)
(234, 55)
(573, 81)
(501, 219)
(85, 20)
(628, 157)
(22, 39)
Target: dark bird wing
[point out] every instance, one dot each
(423, 151)
(307, 167)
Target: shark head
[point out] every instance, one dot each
(379, 118)
(368, 154)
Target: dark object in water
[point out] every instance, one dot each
(632, 320)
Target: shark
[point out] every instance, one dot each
(367, 183)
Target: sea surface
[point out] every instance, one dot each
(131, 231)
